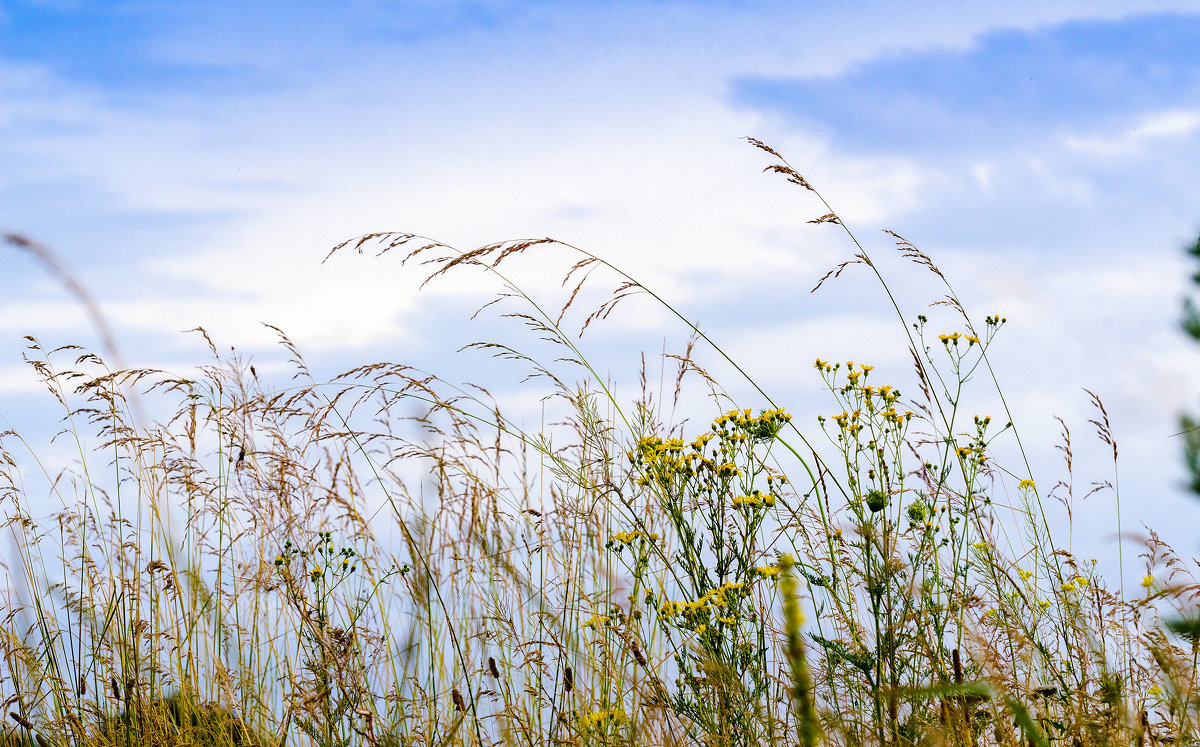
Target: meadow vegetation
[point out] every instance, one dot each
(384, 558)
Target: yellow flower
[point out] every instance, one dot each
(1027, 485)
(768, 570)
(1148, 581)
(626, 538)
(601, 718)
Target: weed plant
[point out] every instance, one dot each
(385, 558)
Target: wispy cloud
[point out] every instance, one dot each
(1006, 90)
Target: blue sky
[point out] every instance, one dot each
(194, 162)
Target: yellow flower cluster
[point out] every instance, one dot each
(767, 571)
(597, 621)
(665, 460)
(698, 613)
(879, 401)
(628, 538)
(601, 718)
(745, 420)
(741, 425)
(754, 500)
(953, 338)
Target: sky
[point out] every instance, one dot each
(194, 163)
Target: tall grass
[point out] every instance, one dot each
(385, 558)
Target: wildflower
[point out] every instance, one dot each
(1069, 586)
(917, 511)
(316, 573)
(598, 719)
(627, 538)
(767, 570)
(1045, 603)
(1148, 581)
(727, 470)
(1155, 691)
(1026, 485)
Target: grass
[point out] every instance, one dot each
(384, 558)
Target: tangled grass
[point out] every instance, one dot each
(385, 558)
